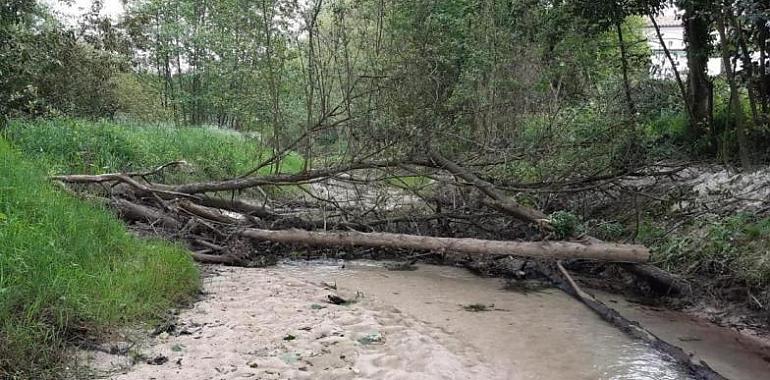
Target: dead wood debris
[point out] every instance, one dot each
(698, 368)
(483, 221)
(211, 224)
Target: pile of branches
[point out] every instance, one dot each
(343, 206)
(360, 206)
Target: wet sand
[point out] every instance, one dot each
(276, 323)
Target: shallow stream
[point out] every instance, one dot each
(430, 323)
(541, 334)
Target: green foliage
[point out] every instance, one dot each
(579, 140)
(139, 97)
(47, 68)
(733, 250)
(606, 230)
(69, 269)
(565, 224)
(78, 146)
(667, 125)
(604, 14)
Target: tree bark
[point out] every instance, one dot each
(626, 82)
(565, 282)
(660, 281)
(206, 258)
(696, 35)
(764, 81)
(547, 249)
(136, 212)
(736, 110)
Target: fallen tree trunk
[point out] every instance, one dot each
(135, 212)
(277, 179)
(545, 249)
(698, 368)
(121, 178)
(659, 280)
(206, 258)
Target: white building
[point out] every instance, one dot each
(672, 31)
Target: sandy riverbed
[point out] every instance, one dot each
(275, 323)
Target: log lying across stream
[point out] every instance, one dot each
(540, 249)
(222, 230)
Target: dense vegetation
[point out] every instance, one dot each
(79, 146)
(69, 271)
(554, 92)
(734, 250)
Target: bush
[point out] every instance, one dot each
(565, 224)
(69, 269)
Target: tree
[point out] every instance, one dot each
(47, 67)
(612, 14)
(735, 107)
(698, 18)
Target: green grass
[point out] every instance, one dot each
(78, 146)
(731, 251)
(69, 269)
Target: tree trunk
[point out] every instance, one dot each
(696, 35)
(546, 249)
(677, 75)
(764, 80)
(626, 84)
(736, 110)
(698, 368)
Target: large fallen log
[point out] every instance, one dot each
(135, 212)
(205, 258)
(661, 281)
(543, 249)
(121, 178)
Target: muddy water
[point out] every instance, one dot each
(276, 323)
(534, 335)
(734, 355)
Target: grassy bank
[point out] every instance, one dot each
(731, 252)
(78, 146)
(69, 269)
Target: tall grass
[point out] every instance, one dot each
(78, 146)
(69, 269)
